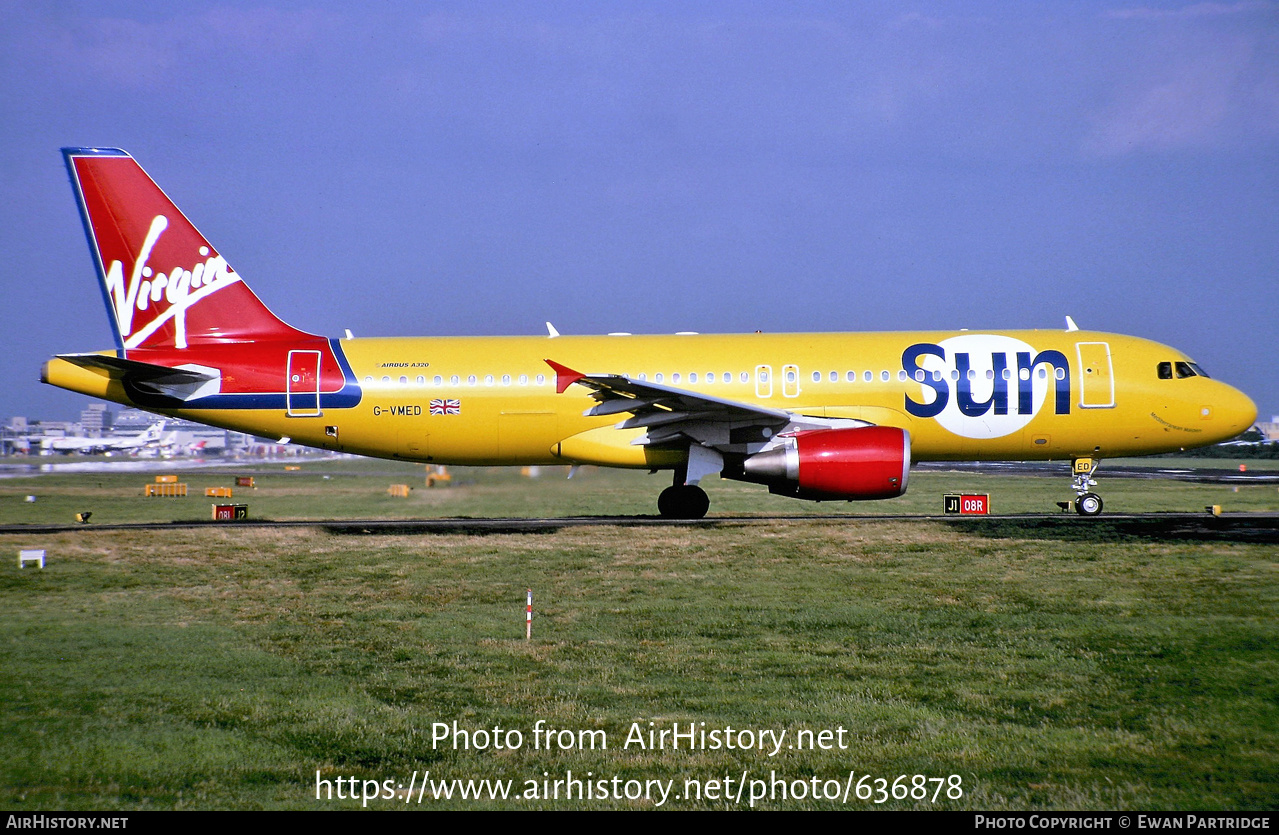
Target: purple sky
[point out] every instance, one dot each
(480, 168)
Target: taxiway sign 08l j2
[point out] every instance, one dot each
(823, 416)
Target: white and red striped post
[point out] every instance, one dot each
(528, 618)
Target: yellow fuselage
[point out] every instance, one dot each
(496, 401)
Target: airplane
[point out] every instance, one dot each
(145, 438)
(817, 416)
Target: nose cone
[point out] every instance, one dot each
(1233, 413)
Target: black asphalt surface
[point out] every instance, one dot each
(1237, 527)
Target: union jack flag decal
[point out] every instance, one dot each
(451, 406)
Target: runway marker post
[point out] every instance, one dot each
(528, 617)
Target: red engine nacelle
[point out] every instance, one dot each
(868, 462)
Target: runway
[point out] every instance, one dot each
(1235, 527)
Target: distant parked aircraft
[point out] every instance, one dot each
(148, 437)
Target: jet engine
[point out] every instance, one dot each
(866, 462)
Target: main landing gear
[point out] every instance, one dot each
(1087, 503)
(683, 501)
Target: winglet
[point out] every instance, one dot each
(564, 376)
(1070, 325)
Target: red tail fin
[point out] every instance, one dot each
(165, 287)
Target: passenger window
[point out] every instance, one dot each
(1165, 371)
(851, 376)
(817, 377)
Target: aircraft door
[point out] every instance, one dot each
(1096, 379)
(302, 398)
(790, 380)
(763, 381)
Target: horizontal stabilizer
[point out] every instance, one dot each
(186, 383)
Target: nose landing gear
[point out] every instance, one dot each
(1087, 503)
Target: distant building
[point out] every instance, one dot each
(57, 428)
(1270, 428)
(96, 420)
(13, 437)
(134, 420)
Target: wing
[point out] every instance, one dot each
(710, 428)
(672, 415)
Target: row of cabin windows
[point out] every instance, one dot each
(921, 375)
(792, 376)
(471, 380)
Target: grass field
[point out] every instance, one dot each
(224, 667)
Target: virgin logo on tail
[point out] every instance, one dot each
(157, 270)
(169, 295)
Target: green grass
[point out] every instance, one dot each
(223, 667)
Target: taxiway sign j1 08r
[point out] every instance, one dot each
(813, 416)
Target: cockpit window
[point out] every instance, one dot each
(1165, 371)
(1189, 369)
